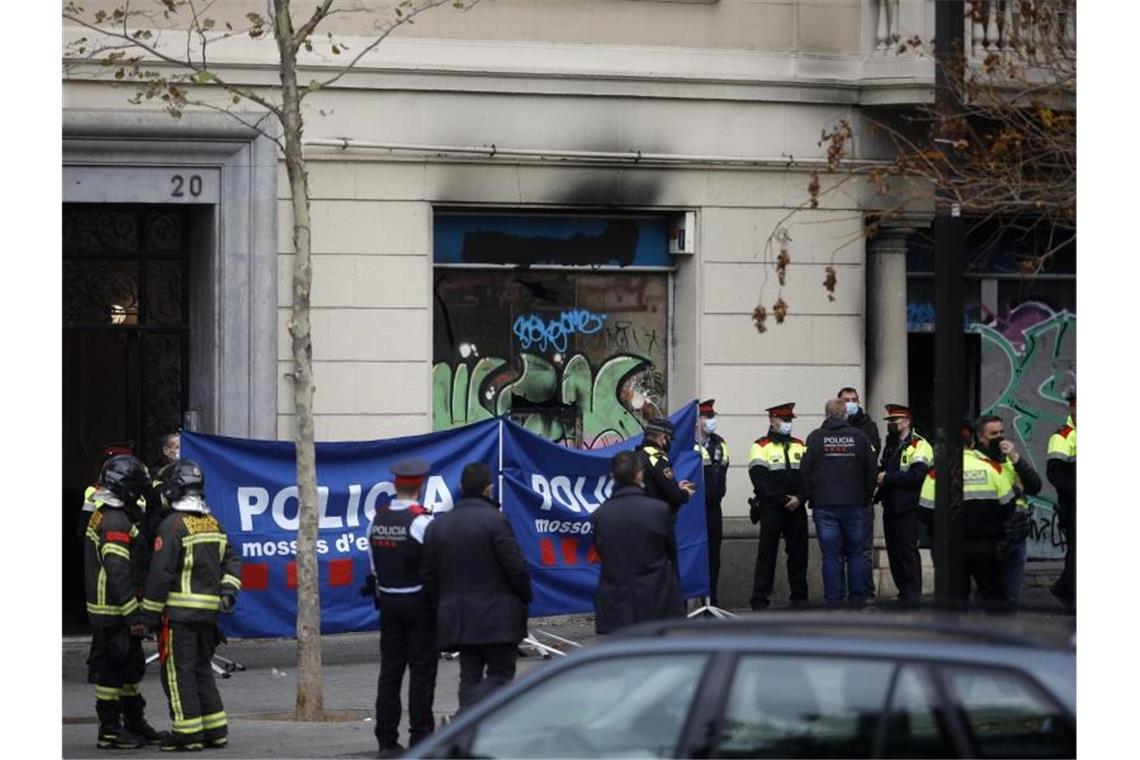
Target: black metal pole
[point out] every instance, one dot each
(949, 337)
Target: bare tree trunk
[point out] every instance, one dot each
(310, 694)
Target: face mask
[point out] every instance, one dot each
(708, 424)
(994, 449)
(892, 428)
(852, 408)
(785, 428)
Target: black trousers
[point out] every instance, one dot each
(981, 564)
(1067, 583)
(777, 522)
(407, 641)
(484, 668)
(196, 711)
(713, 522)
(115, 665)
(901, 532)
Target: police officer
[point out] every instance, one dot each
(660, 482)
(906, 458)
(115, 570)
(861, 421)
(774, 468)
(194, 574)
(1024, 481)
(407, 617)
(714, 456)
(987, 503)
(1061, 470)
(633, 535)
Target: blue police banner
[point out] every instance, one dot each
(549, 493)
(251, 487)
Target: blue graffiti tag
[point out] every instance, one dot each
(532, 329)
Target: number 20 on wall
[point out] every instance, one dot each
(180, 185)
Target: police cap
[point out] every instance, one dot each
(411, 469)
(660, 425)
(706, 408)
(785, 411)
(898, 410)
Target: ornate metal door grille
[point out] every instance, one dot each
(126, 284)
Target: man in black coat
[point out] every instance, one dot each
(858, 418)
(657, 471)
(633, 535)
(475, 572)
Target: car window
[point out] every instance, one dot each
(783, 706)
(1008, 716)
(915, 726)
(617, 707)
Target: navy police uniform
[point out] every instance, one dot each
(714, 457)
(660, 481)
(407, 618)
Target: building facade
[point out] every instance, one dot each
(559, 211)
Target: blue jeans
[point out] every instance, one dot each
(840, 534)
(1013, 571)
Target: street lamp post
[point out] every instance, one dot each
(949, 338)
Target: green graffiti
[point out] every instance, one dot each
(592, 398)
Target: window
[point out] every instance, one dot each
(915, 725)
(803, 707)
(1008, 716)
(618, 707)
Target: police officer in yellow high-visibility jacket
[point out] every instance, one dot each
(774, 468)
(906, 458)
(714, 456)
(987, 503)
(1061, 469)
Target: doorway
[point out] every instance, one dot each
(126, 349)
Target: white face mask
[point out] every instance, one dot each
(785, 428)
(708, 424)
(852, 408)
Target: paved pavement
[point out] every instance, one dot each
(259, 701)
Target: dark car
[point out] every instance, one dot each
(788, 685)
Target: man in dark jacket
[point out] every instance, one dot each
(837, 479)
(861, 421)
(714, 456)
(475, 572)
(633, 535)
(657, 470)
(906, 458)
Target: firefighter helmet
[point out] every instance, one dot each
(180, 477)
(125, 476)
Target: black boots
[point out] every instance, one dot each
(134, 719)
(111, 734)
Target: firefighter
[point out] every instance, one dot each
(774, 468)
(115, 569)
(407, 616)
(906, 458)
(714, 456)
(194, 574)
(660, 482)
(1061, 470)
(90, 503)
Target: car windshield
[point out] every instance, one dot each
(617, 707)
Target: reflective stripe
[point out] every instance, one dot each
(172, 679)
(193, 601)
(214, 720)
(152, 606)
(231, 580)
(1062, 456)
(129, 690)
(758, 463)
(187, 570)
(134, 531)
(107, 693)
(101, 587)
(979, 494)
(203, 538)
(116, 550)
(108, 609)
(187, 726)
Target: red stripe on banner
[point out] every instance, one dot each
(340, 572)
(592, 555)
(570, 551)
(118, 537)
(546, 551)
(254, 576)
(291, 575)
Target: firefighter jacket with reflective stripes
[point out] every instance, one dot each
(714, 457)
(192, 566)
(113, 566)
(988, 498)
(1061, 466)
(905, 464)
(660, 482)
(774, 468)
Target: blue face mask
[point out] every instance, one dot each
(785, 428)
(852, 408)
